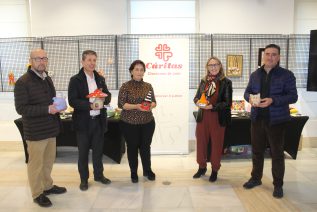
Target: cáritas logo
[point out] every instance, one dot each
(163, 52)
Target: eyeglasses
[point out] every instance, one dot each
(39, 59)
(213, 65)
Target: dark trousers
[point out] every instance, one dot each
(138, 138)
(92, 138)
(261, 134)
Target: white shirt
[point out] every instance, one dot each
(92, 86)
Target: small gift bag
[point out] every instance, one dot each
(146, 104)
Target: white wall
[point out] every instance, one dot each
(305, 16)
(78, 17)
(14, 18)
(246, 16)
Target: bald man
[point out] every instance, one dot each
(33, 96)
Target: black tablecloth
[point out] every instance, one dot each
(238, 133)
(114, 144)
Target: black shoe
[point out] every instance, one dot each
(201, 171)
(43, 201)
(278, 192)
(252, 183)
(55, 190)
(149, 174)
(213, 176)
(83, 185)
(134, 177)
(103, 180)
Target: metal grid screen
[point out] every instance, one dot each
(65, 56)
(116, 53)
(298, 58)
(63, 59)
(14, 57)
(128, 51)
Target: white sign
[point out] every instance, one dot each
(167, 69)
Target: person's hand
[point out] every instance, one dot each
(52, 109)
(153, 105)
(207, 107)
(265, 102)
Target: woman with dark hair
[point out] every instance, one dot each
(216, 116)
(136, 99)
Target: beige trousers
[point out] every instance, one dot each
(42, 155)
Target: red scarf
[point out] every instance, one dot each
(210, 87)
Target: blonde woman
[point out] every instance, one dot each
(216, 116)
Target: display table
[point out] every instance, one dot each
(238, 133)
(114, 144)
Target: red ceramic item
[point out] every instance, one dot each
(97, 94)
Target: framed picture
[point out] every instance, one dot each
(260, 57)
(234, 65)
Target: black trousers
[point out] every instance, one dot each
(261, 134)
(138, 138)
(92, 138)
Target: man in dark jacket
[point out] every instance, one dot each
(269, 116)
(33, 95)
(89, 117)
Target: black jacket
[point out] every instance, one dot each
(77, 92)
(32, 96)
(224, 100)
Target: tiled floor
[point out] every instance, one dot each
(174, 190)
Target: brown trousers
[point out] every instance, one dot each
(41, 159)
(209, 129)
(261, 135)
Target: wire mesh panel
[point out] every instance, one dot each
(199, 50)
(248, 46)
(233, 45)
(116, 53)
(298, 58)
(104, 46)
(63, 59)
(128, 51)
(14, 57)
(261, 41)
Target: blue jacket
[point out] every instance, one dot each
(282, 90)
